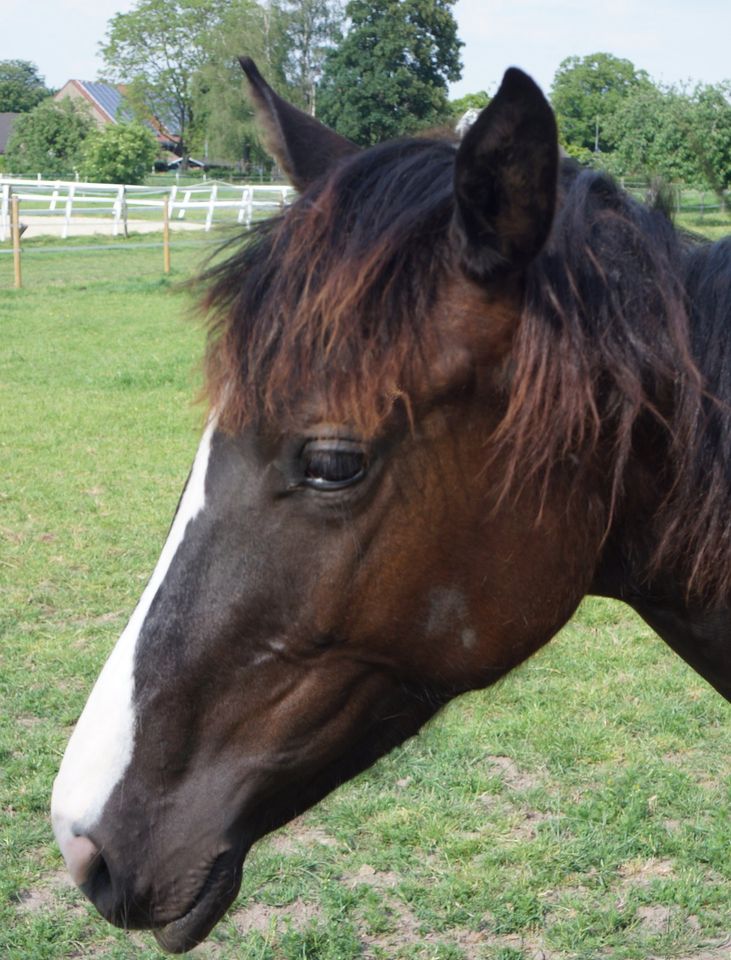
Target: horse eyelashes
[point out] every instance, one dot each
(324, 466)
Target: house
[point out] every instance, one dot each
(103, 101)
(106, 104)
(7, 121)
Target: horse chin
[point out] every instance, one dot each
(215, 897)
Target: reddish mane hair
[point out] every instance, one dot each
(336, 296)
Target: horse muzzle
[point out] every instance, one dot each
(180, 910)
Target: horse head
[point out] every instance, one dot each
(346, 556)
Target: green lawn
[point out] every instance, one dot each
(581, 809)
(715, 225)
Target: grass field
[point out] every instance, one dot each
(581, 809)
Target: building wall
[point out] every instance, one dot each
(72, 91)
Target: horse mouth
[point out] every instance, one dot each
(213, 900)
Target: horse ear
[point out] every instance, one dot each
(505, 180)
(302, 146)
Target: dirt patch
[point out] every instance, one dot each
(28, 722)
(379, 880)
(509, 773)
(297, 834)
(640, 873)
(406, 931)
(262, 918)
(694, 766)
(48, 895)
(527, 827)
(655, 918)
(35, 901)
(12, 536)
(710, 951)
(475, 945)
(531, 947)
(635, 874)
(497, 805)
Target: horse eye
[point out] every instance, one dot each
(330, 465)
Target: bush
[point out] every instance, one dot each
(122, 153)
(48, 140)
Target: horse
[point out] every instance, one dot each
(452, 389)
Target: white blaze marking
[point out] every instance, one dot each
(100, 747)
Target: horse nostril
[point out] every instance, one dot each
(90, 871)
(82, 856)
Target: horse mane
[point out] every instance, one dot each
(624, 339)
(331, 298)
(622, 331)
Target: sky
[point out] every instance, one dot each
(673, 40)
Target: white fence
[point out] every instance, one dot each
(61, 201)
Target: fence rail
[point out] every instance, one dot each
(60, 201)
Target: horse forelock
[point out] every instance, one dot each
(342, 297)
(336, 298)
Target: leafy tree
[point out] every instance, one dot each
(649, 143)
(224, 126)
(389, 75)
(312, 28)
(708, 124)
(21, 86)
(586, 91)
(49, 140)
(288, 39)
(676, 135)
(156, 49)
(470, 101)
(118, 153)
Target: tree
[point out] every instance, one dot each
(708, 126)
(49, 140)
(224, 122)
(648, 141)
(312, 28)
(21, 86)
(586, 91)
(118, 153)
(288, 39)
(675, 134)
(157, 49)
(470, 101)
(389, 75)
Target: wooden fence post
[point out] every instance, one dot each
(15, 228)
(166, 234)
